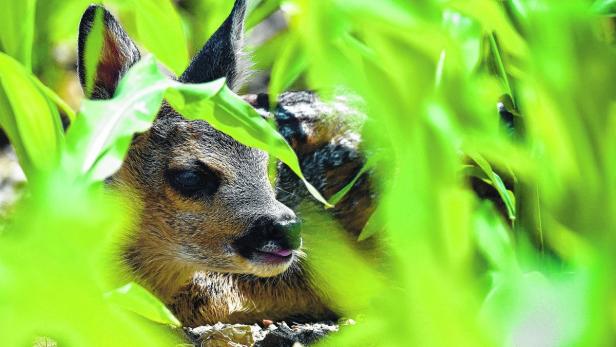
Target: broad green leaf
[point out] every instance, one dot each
(467, 33)
(606, 7)
(137, 299)
(493, 239)
(97, 140)
(17, 29)
(160, 30)
(31, 121)
(63, 18)
(7, 124)
(323, 237)
(56, 99)
(289, 66)
(63, 235)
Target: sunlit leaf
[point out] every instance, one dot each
(61, 235)
(338, 196)
(289, 65)
(17, 29)
(605, 7)
(500, 66)
(375, 224)
(493, 239)
(106, 124)
(137, 299)
(262, 11)
(31, 121)
(160, 30)
(492, 17)
(467, 33)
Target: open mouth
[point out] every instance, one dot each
(272, 256)
(278, 252)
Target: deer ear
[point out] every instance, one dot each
(105, 53)
(222, 55)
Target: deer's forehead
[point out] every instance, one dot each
(197, 140)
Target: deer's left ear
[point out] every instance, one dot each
(222, 55)
(105, 53)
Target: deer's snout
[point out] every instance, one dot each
(271, 239)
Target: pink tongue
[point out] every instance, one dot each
(283, 253)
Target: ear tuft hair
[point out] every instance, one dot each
(105, 53)
(222, 55)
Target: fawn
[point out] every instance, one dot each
(213, 239)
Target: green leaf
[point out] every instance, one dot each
(17, 29)
(336, 198)
(56, 99)
(135, 298)
(265, 54)
(497, 183)
(493, 19)
(390, 12)
(97, 140)
(440, 68)
(376, 223)
(261, 12)
(467, 33)
(493, 239)
(160, 30)
(605, 7)
(500, 66)
(30, 120)
(289, 65)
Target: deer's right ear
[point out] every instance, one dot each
(105, 53)
(222, 55)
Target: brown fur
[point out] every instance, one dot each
(182, 259)
(229, 298)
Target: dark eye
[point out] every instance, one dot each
(193, 183)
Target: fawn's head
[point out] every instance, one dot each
(205, 200)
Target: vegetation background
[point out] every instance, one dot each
(517, 94)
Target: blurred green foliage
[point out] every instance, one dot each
(432, 74)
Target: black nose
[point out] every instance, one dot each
(282, 230)
(288, 230)
(282, 233)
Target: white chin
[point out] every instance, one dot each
(268, 270)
